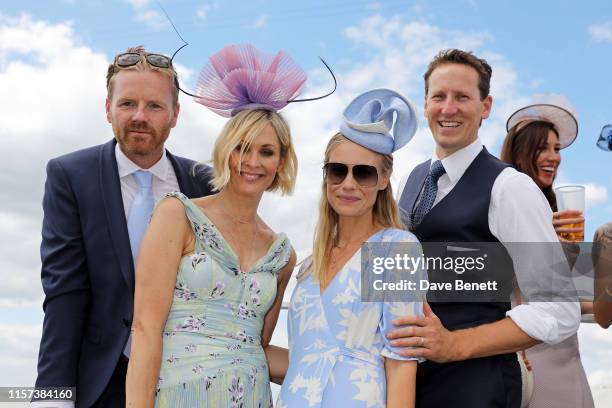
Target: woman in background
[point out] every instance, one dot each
(536, 134)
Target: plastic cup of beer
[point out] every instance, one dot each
(571, 198)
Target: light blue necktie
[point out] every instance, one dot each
(138, 220)
(141, 211)
(430, 190)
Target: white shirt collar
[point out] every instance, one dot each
(127, 167)
(457, 163)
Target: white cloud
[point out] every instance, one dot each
(152, 18)
(20, 270)
(601, 32)
(595, 194)
(138, 3)
(202, 12)
(57, 97)
(37, 40)
(261, 21)
(596, 355)
(18, 352)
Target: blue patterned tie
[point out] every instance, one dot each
(138, 220)
(430, 190)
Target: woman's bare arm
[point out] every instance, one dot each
(162, 247)
(401, 383)
(278, 357)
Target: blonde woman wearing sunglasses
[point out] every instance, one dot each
(338, 353)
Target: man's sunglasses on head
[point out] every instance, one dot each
(128, 59)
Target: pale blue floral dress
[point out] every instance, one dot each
(337, 342)
(212, 355)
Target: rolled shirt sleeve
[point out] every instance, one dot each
(519, 213)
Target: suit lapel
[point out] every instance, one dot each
(411, 192)
(185, 181)
(115, 214)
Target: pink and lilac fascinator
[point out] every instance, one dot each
(241, 77)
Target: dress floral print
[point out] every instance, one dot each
(337, 342)
(212, 354)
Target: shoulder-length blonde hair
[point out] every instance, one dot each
(385, 213)
(241, 130)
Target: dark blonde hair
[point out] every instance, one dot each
(142, 66)
(241, 130)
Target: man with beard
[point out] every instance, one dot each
(97, 204)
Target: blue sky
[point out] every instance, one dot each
(53, 57)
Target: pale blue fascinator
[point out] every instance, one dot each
(381, 120)
(605, 138)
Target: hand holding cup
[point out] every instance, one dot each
(566, 223)
(569, 220)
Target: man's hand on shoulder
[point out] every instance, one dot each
(425, 337)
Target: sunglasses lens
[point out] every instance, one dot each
(128, 59)
(365, 175)
(158, 60)
(335, 173)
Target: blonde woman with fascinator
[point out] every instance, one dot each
(536, 135)
(339, 355)
(211, 274)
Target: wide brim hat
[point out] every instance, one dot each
(381, 120)
(563, 121)
(605, 138)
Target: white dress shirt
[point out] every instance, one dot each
(518, 212)
(164, 181)
(164, 178)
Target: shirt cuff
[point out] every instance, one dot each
(52, 404)
(548, 322)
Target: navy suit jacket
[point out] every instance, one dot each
(87, 268)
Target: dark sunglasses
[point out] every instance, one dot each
(128, 59)
(364, 174)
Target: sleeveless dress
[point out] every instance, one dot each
(212, 354)
(337, 342)
(559, 379)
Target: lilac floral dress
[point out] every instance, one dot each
(212, 354)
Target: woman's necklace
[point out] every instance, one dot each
(238, 225)
(339, 252)
(237, 220)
